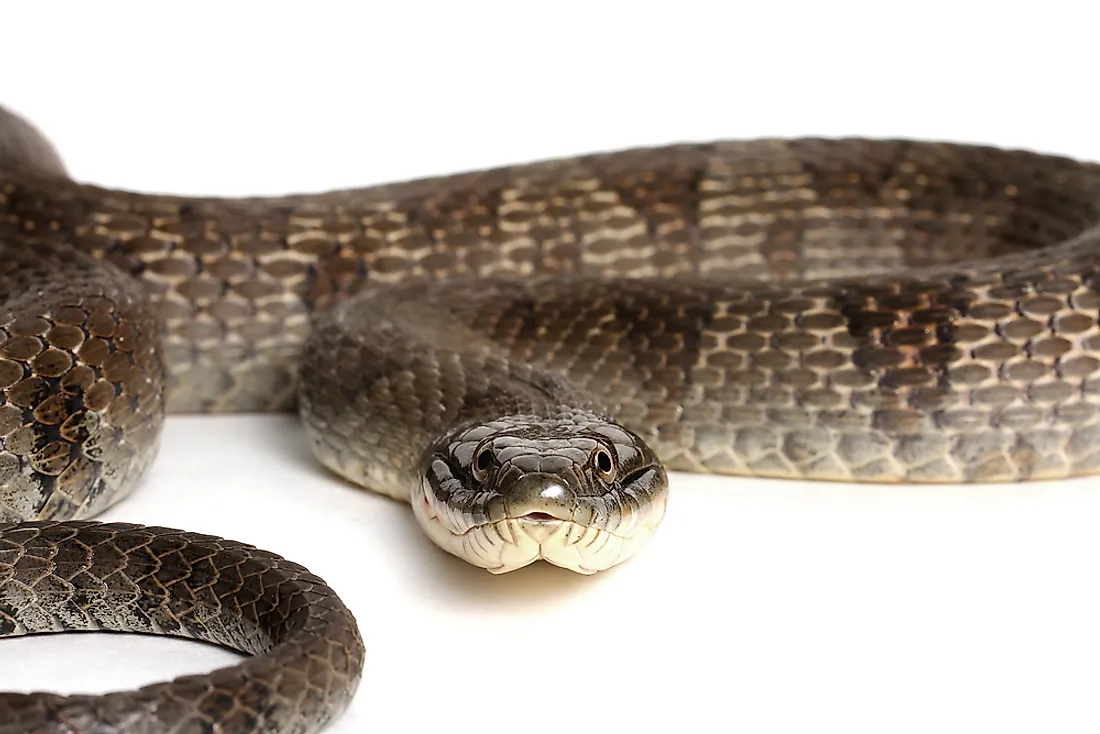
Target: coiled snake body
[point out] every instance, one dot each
(520, 353)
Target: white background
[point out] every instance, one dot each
(762, 606)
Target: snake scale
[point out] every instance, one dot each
(521, 353)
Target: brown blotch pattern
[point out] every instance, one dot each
(847, 341)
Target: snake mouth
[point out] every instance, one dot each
(540, 517)
(516, 541)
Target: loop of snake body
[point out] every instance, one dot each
(521, 354)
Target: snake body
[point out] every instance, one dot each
(520, 353)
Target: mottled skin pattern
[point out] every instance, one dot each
(79, 575)
(923, 377)
(81, 368)
(235, 283)
(832, 309)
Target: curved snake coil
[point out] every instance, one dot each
(520, 353)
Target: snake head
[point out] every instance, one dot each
(575, 489)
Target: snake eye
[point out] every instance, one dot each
(482, 462)
(604, 464)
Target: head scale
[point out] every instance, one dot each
(574, 489)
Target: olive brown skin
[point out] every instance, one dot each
(856, 310)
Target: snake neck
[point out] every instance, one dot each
(391, 383)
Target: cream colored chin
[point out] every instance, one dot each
(510, 544)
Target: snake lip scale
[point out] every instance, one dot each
(522, 354)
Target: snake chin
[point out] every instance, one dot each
(517, 542)
(577, 491)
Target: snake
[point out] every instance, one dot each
(520, 353)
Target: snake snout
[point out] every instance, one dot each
(574, 489)
(539, 497)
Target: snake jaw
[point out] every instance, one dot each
(506, 545)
